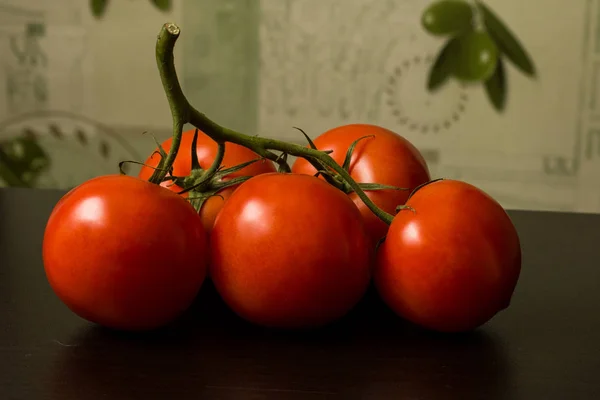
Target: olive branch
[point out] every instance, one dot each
(476, 49)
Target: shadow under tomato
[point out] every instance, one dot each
(211, 352)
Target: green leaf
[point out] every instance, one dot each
(163, 5)
(506, 40)
(440, 70)
(98, 7)
(473, 56)
(496, 88)
(447, 17)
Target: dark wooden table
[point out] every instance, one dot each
(545, 346)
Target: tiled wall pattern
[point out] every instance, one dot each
(90, 88)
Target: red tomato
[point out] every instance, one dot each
(206, 150)
(125, 253)
(290, 251)
(386, 158)
(452, 263)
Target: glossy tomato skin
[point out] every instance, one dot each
(206, 150)
(124, 253)
(452, 263)
(290, 251)
(386, 158)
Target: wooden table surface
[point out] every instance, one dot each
(546, 345)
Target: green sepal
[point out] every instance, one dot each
(160, 167)
(197, 199)
(421, 186)
(194, 156)
(350, 151)
(215, 186)
(281, 161)
(122, 163)
(221, 173)
(207, 183)
(308, 139)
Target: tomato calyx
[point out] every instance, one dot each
(204, 184)
(197, 197)
(201, 184)
(334, 178)
(201, 181)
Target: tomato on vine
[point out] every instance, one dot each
(290, 251)
(451, 258)
(206, 151)
(125, 253)
(380, 156)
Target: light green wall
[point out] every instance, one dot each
(264, 66)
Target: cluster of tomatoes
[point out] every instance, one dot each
(285, 250)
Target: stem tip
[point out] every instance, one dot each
(172, 28)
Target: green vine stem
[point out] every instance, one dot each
(183, 112)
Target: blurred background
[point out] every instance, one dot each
(78, 91)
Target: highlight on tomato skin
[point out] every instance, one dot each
(290, 251)
(124, 253)
(206, 150)
(381, 156)
(451, 261)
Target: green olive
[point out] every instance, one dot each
(447, 17)
(474, 56)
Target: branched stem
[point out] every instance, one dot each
(183, 112)
(210, 172)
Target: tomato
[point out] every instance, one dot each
(125, 253)
(386, 158)
(290, 251)
(206, 150)
(452, 262)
